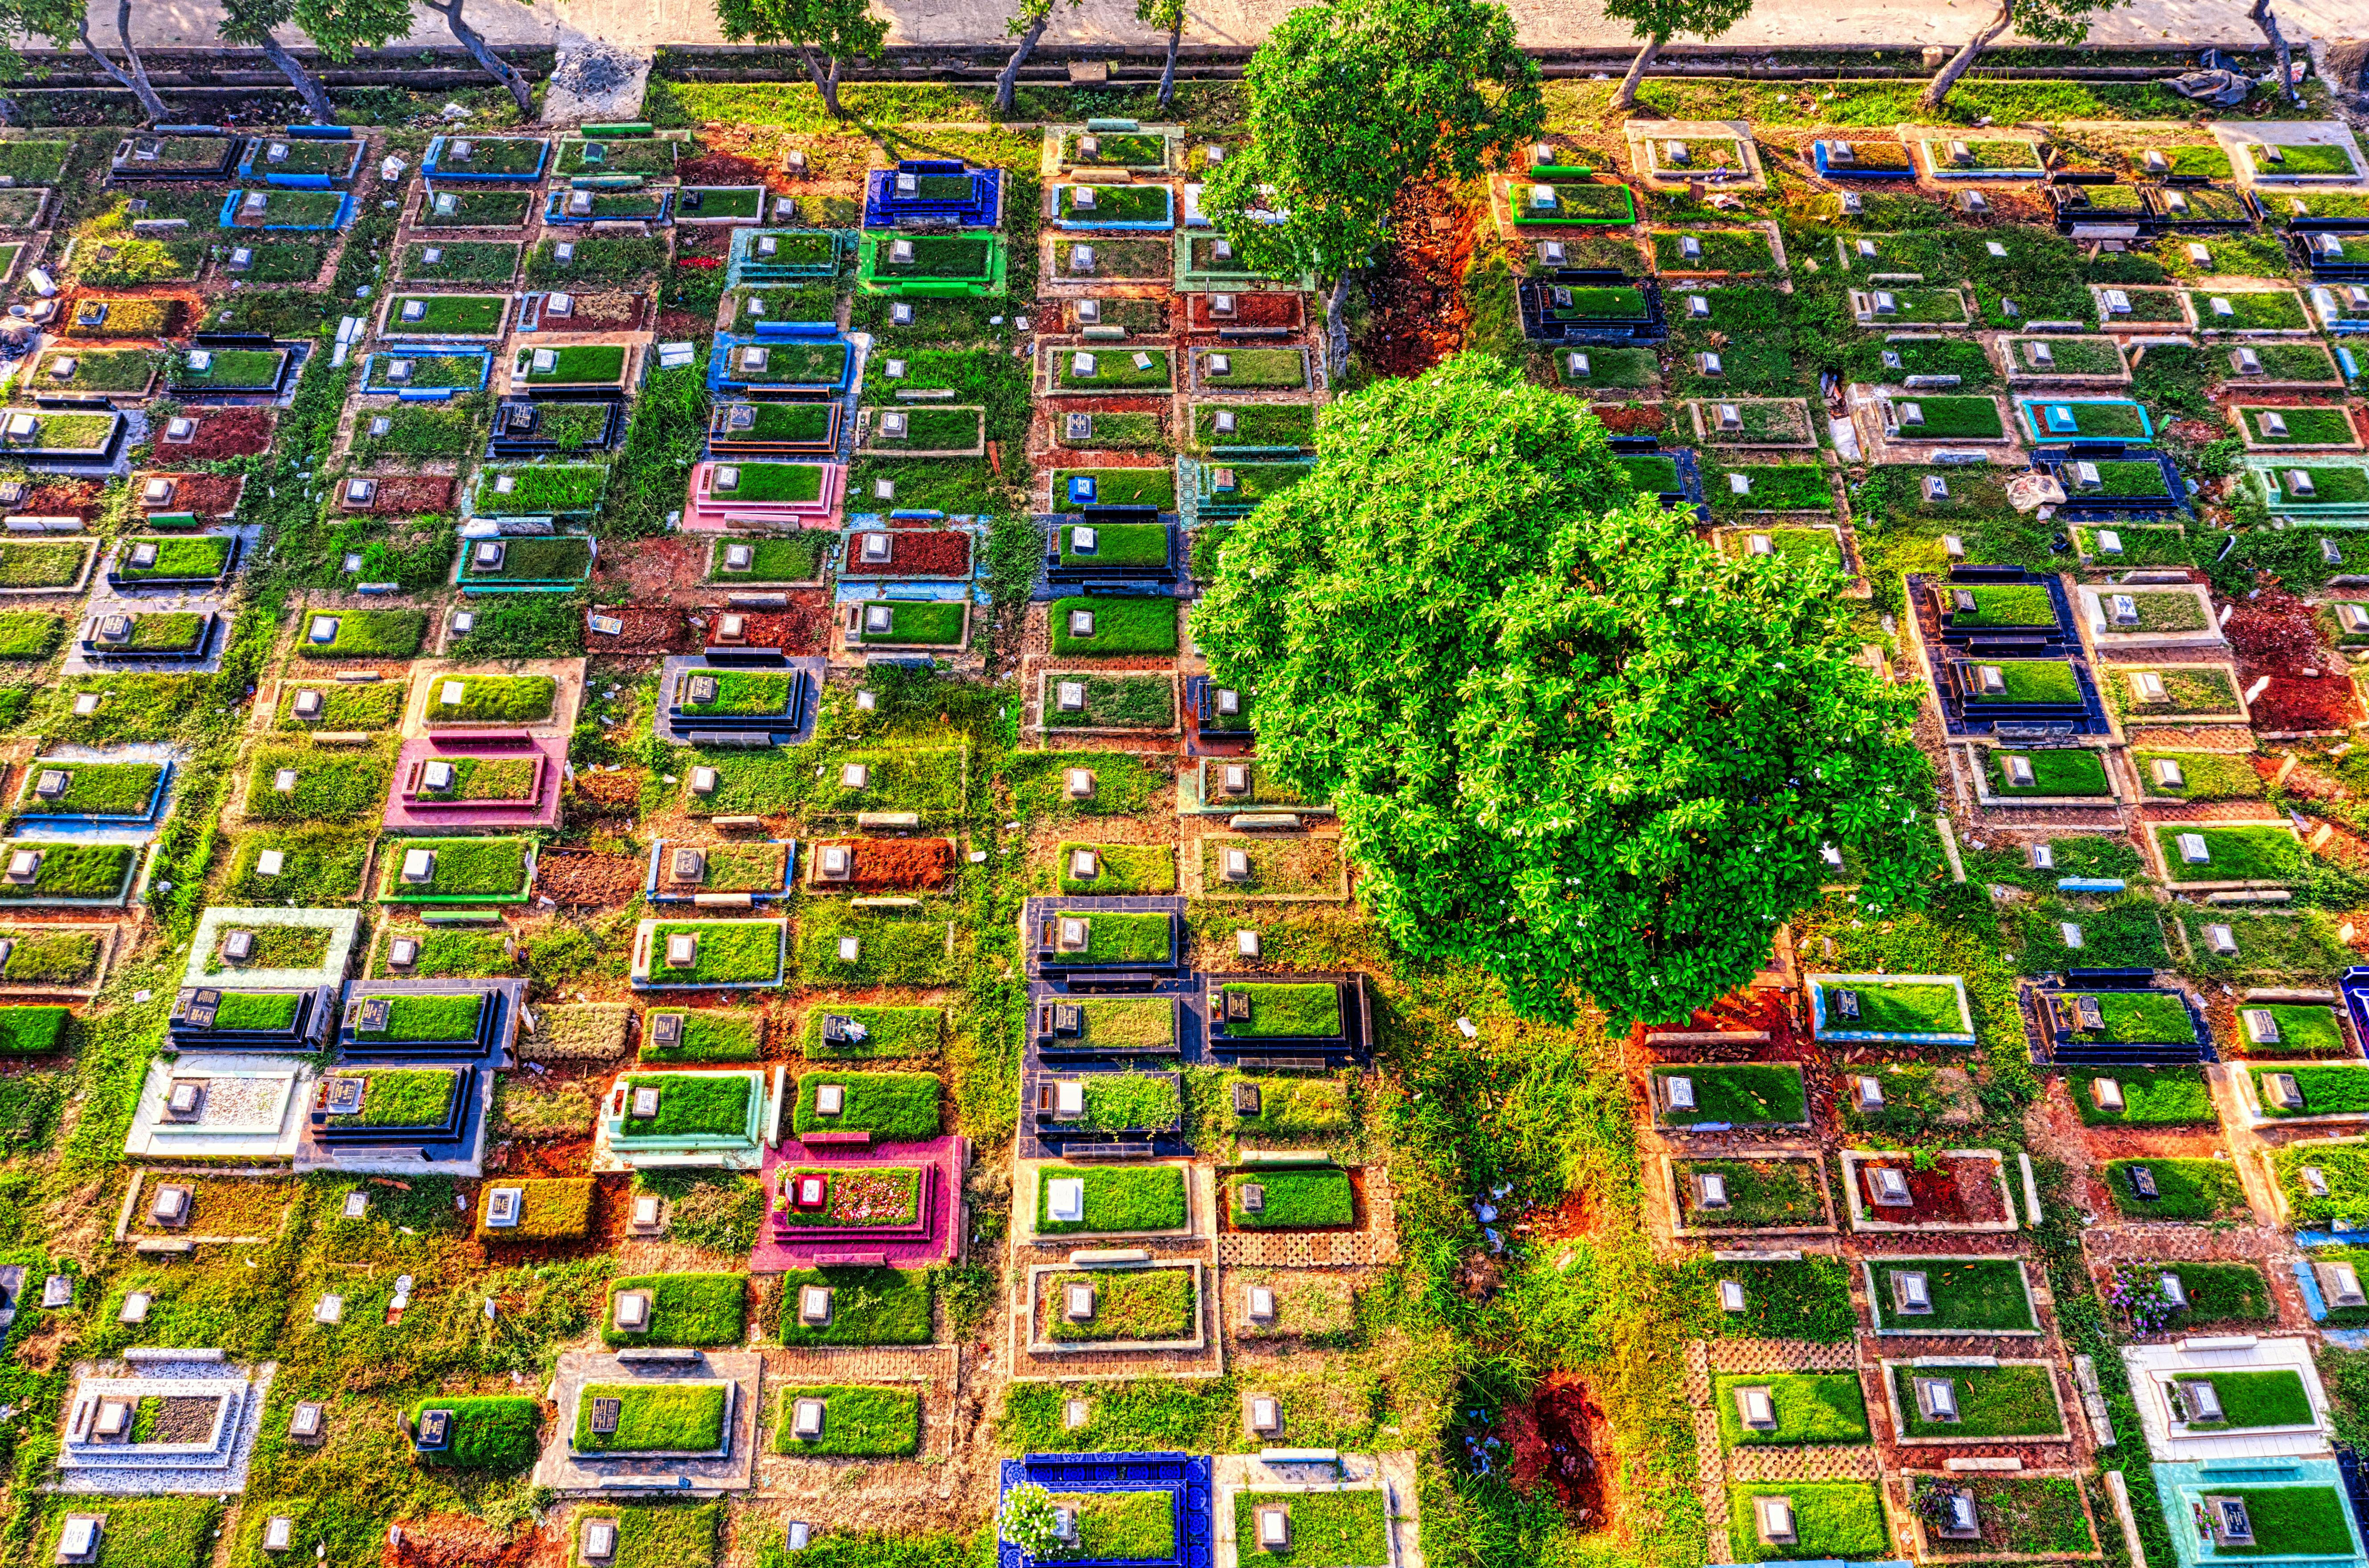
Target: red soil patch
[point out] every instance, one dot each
(461, 1541)
(894, 863)
(1418, 292)
(611, 310)
(720, 168)
(1269, 310)
(222, 433)
(2273, 629)
(409, 495)
(1642, 421)
(608, 791)
(62, 498)
(207, 494)
(1738, 1012)
(1552, 1440)
(683, 324)
(580, 879)
(702, 241)
(655, 568)
(804, 628)
(935, 552)
(1960, 1192)
(2328, 701)
(651, 630)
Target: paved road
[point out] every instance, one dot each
(639, 24)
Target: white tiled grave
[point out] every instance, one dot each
(252, 1109)
(2154, 1368)
(90, 1463)
(342, 925)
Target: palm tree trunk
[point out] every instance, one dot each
(500, 70)
(150, 105)
(1168, 71)
(1937, 93)
(1626, 99)
(140, 83)
(1007, 85)
(307, 85)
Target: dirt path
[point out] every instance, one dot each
(1416, 293)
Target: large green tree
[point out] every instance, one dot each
(1655, 22)
(819, 31)
(2061, 22)
(1568, 739)
(1348, 102)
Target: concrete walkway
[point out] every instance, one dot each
(640, 25)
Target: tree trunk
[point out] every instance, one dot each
(140, 83)
(1337, 327)
(2270, 25)
(1938, 91)
(307, 85)
(1168, 71)
(500, 70)
(1626, 99)
(827, 83)
(1008, 82)
(150, 105)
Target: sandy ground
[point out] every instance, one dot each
(637, 25)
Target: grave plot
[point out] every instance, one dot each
(2072, 362)
(1905, 1008)
(718, 704)
(703, 1034)
(2210, 856)
(1073, 372)
(1933, 1294)
(676, 1310)
(1587, 305)
(833, 1200)
(168, 1212)
(566, 365)
(909, 554)
(48, 874)
(353, 707)
(1075, 1029)
(1268, 867)
(456, 871)
(880, 864)
(1720, 1097)
(1287, 1021)
(225, 1015)
(480, 780)
(764, 496)
(111, 375)
(1676, 154)
(691, 955)
(1792, 1410)
(597, 310)
(407, 368)
(2296, 429)
(229, 1106)
(174, 563)
(2162, 1189)
(623, 1422)
(2128, 1024)
(2266, 1026)
(535, 696)
(2312, 490)
(160, 1422)
(1779, 1192)
(2062, 777)
(58, 440)
(48, 568)
(627, 201)
(1946, 428)
(931, 192)
(902, 780)
(878, 940)
(296, 947)
(400, 496)
(2209, 1401)
(55, 959)
(558, 428)
(2177, 1298)
(179, 501)
(2262, 947)
(1245, 788)
(2342, 310)
(754, 871)
(710, 1120)
(121, 639)
(108, 790)
(2133, 616)
(535, 1210)
(2143, 1097)
(2308, 1093)
(839, 1421)
(2004, 1516)
(1958, 1190)
(1126, 1113)
(905, 623)
(1117, 1307)
(424, 1117)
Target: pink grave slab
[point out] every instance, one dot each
(711, 513)
(410, 809)
(935, 1238)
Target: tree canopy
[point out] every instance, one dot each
(1568, 739)
(819, 31)
(1348, 100)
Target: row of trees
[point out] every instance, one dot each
(339, 29)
